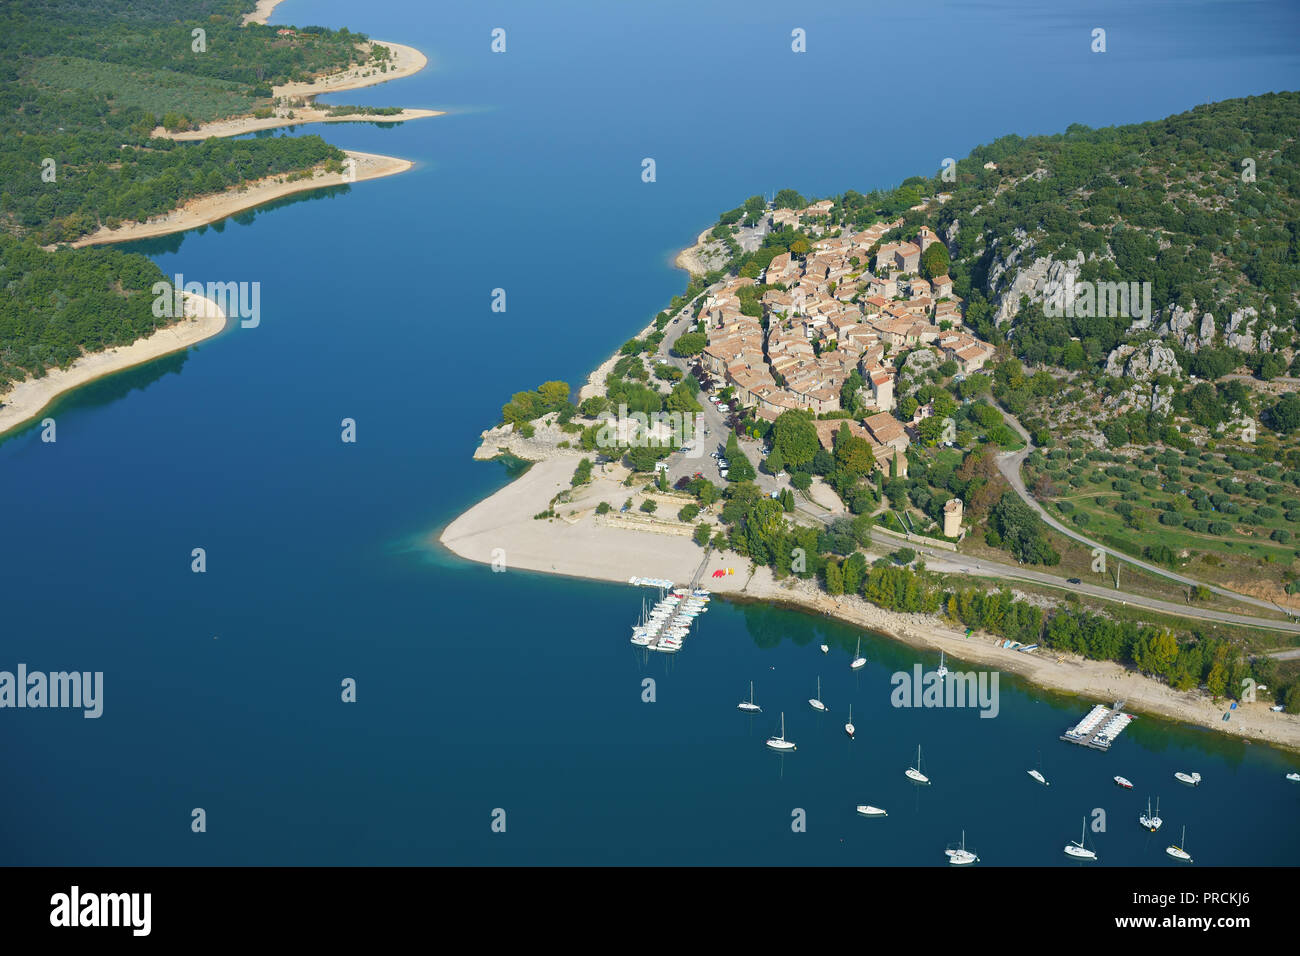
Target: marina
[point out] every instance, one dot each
(664, 625)
(1100, 727)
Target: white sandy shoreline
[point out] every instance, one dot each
(205, 210)
(24, 401)
(615, 548)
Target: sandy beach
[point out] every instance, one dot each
(261, 13)
(208, 209)
(24, 401)
(580, 543)
(407, 60)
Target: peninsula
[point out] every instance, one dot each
(868, 355)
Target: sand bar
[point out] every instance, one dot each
(208, 209)
(301, 117)
(614, 548)
(24, 401)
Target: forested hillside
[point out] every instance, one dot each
(83, 83)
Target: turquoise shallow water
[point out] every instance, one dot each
(479, 691)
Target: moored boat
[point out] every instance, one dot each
(1124, 782)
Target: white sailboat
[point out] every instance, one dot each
(914, 773)
(849, 728)
(826, 648)
(859, 661)
(867, 810)
(816, 702)
(1076, 849)
(1151, 820)
(1177, 852)
(1191, 779)
(943, 668)
(780, 743)
(748, 706)
(1293, 776)
(960, 856)
(1037, 772)
(1124, 782)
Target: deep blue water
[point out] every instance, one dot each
(479, 690)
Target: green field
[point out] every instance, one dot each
(1220, 517)
(157, 91)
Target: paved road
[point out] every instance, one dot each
(956, 563)
(1009, 464)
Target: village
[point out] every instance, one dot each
(829, 316)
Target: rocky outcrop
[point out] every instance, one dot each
(543, 444)
(1240, 332)
(1183, 327)
(1044, 279)
(1144, 362)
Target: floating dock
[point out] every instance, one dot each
(1100, 727)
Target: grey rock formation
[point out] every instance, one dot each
(1142, 363)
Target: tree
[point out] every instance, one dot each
(690, 343)
(795, 437)
(789, 199)
(934, 261)
(775, 463)
(834, 578)
(1285, 415)
(649, 506)
(1021, 531)
(702, 532)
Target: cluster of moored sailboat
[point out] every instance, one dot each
(664, 625)
(1148, 820)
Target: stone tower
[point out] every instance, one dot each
(952, 518)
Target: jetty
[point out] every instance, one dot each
(686, 603)
(1100, 727)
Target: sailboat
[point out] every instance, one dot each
(1124, 782)
(1076, 849)
(1151, 820)
(960, 856)
(826, 648)
(780, 743)
(748, 706)
(859, 661)
(943, 668)
(1177, 852)
(914, 773)
(816, 702)
(1037, 773)
(1294, 777)
(867, 810)
(849, 728)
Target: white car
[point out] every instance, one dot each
(714, 399)
(724, 408)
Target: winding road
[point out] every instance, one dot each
(1009, 464)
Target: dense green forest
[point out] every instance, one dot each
(1204, 205)
(83, 83)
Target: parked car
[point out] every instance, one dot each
(724, 408)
